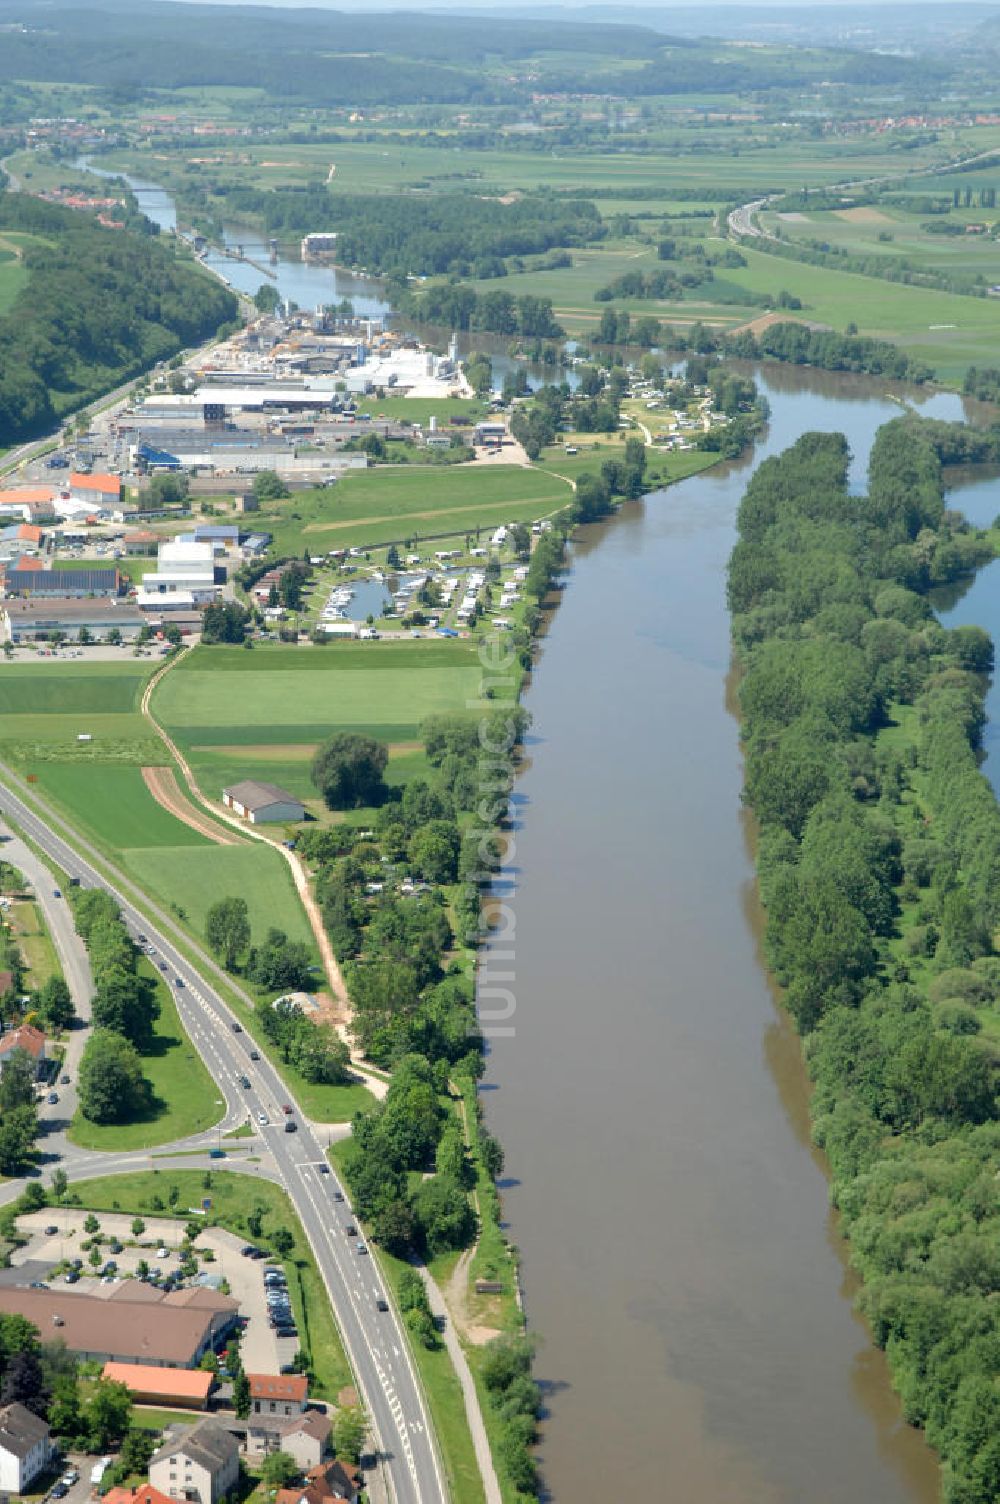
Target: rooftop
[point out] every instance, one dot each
(110, 484)
(20, 1430)
(144, 1330)
(267, 1386)
(254, 795)
(207, 1443)
(26, 1038)
(170, 1383)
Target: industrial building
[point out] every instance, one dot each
(70, 583)
(262, 803)
(37, 619)
(128, 1323)
(184, 576)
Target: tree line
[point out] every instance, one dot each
(878, 861)
(112, 1087)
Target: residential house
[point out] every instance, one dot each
(202, 1466)
(280, 1421)
(334, 1482)
(262, 803)
(307, 1438)
(30, 503)
(146, 1494)
(25, 1448)
(28, 1039)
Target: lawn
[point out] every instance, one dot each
(233, 1197)
(189, 881)
(183, 1095)
(113, 806)
(34, 943)
(422, 409)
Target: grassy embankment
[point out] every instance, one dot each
(234, 1197)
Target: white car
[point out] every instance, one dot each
(163, 1253)
(263, 1119)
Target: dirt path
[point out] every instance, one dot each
(162, 784)
(300, 876)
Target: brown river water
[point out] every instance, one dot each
(681, 1266)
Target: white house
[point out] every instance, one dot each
(202, 1466)
(25, 1448)
(262, 803)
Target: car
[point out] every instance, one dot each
(69, 1477)
(258, 1253)
(324, 1169)
(263, 1119)
(286, 1109)
(163, 965)
(287, 1368)
(64, 1080)
(291, 1126)
(51, 1230)
(178, 981)
(247, 1250)
(37, 1284)
(59, 1492)
(338, 1195)
(381, 1304)
(286, 1331)
(163, 1253)
(361, 1248)
(73, 1277)
(52, 1098)
(76, 1264)
(254, 1055)
(244, 1082)
(236, 1028)
(350, 1230)
(216, 1153)
(56, 893)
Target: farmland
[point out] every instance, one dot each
(219, 701)
(190, 881)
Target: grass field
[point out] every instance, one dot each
(94, 688)
(183, 1095)
(13, 278)
(191, 881)
(219, 700)
(234, 1196)
(390, 504)
(113, 806)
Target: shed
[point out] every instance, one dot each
(262, 803)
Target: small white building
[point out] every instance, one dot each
(25, 1448)
(262, 803)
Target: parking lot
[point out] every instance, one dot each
(263, 1351)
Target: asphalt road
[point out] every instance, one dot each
(375, 1344)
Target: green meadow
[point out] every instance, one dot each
(108, 802)
(190, 881)
(392, 503)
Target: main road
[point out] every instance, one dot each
(375, 1344)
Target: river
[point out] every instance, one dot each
(680, 1261)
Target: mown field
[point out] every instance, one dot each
(105, 800)
(389, 504)
(261, 714)
(13, 277)
(190, 880)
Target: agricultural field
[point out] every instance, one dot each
(261, 714)
(390, 504)
(13, 277)
(190, 881)
(46, 706)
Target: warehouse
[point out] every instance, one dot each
(62, 582)
(262, 803)
(38, 619)
(131, 1323)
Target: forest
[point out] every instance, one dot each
(879, 867)
(101, 306)
(452, 234)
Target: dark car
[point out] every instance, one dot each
(248, 1251)
(64, 1080)
(324, 1169)
(286, 1109)
(245, 1082)
(286, 1331)
(350, 1230)
(338, 1195)
(56, 893)
(51, 1231)
(381, 1305)
(178, 981)
(287, 1368)
(76, 1263)
(254, 1055)
(59, 1492)
(216, 1153)
(52, 1098)
(237, 1028)
(291, 1126)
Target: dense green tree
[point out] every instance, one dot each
(349, 770)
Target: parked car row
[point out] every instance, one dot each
(279, 1306)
